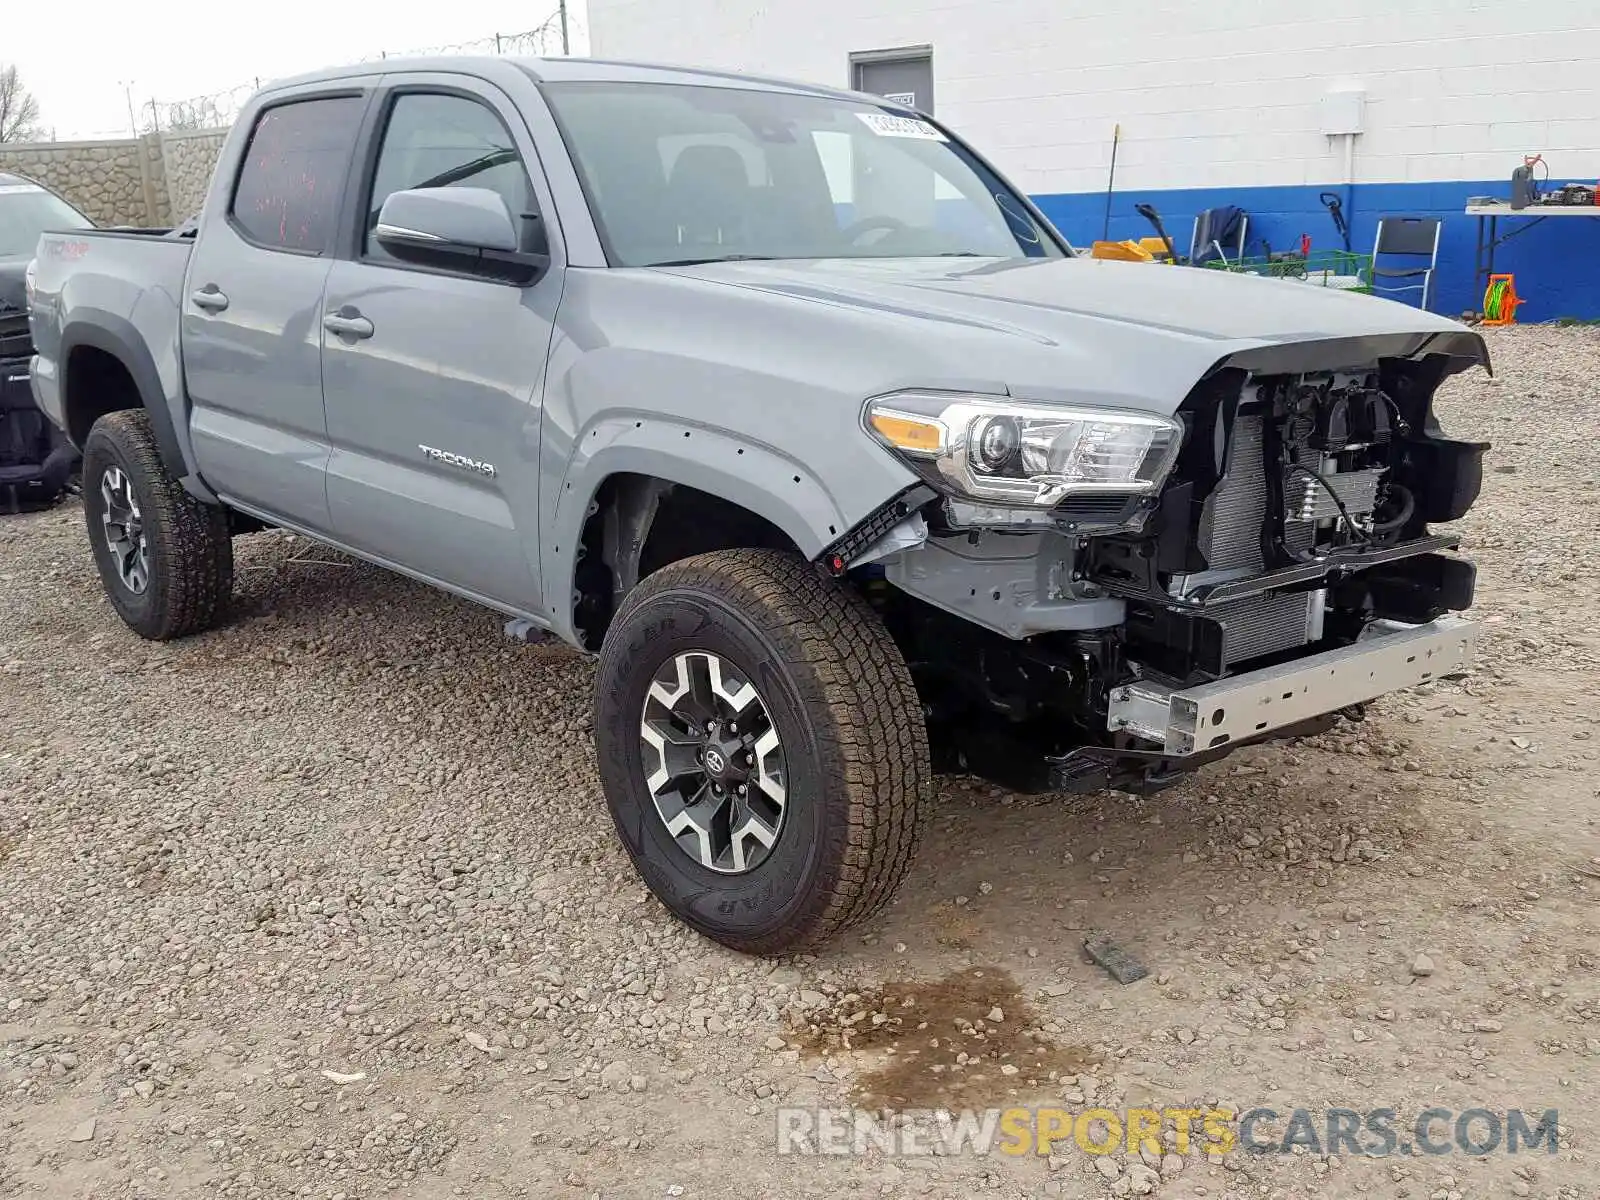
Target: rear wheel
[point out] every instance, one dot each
(762, 748)
(165, 558)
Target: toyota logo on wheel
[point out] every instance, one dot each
(715, 763)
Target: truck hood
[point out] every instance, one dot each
(1203, 316)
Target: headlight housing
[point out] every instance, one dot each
(1007, 452)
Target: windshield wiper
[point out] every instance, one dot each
(697, 262)
(497, 157)
(484, 162)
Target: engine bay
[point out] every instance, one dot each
(1295, 519)
(1297, 514)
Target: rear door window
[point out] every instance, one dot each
(290, 186)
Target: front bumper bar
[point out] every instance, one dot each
(1388, 658)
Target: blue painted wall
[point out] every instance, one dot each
(1556, 263)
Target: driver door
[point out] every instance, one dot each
(433, 377)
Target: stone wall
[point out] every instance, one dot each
(155, 180)
(153, 184)
(107, 180)
(190, 158)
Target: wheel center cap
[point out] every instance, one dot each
(716, 764)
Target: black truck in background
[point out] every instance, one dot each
(35, 457)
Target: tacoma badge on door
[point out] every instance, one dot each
(458, 460)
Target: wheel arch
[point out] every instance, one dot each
(107, 366)
(638, 524)
(643, 492)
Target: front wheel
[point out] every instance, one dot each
(761, 747)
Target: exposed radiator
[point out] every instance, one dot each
(1230, 531)
(1260, 625)
(1230, 539)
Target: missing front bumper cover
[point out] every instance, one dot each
(1388, 658)
(1119, 571)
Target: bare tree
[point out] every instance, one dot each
(19, 109)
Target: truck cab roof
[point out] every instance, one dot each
(566, 70)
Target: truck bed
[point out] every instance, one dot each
(141, 258)
(127, 281)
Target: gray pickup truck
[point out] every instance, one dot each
(783, 402)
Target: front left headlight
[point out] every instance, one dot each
(999, 451)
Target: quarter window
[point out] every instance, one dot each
(288, 193)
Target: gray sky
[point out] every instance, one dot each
(79, 57)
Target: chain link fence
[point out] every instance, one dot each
(218, 109)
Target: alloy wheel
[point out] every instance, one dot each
(124, 530)
(714, 763)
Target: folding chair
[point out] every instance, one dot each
(1406, 238)
(1219, 233)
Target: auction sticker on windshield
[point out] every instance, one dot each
(888, 125)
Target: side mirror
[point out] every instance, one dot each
(464, 228)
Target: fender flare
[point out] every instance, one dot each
(758, 478)
(116, 336)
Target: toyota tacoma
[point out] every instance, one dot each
(786, 405)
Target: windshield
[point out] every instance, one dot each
(26, 211)
(680, 173)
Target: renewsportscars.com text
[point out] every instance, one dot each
(1362, 1133)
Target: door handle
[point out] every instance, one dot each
(210, 298)
(348, 322)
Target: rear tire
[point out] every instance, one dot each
(165, 559)
(830, 770)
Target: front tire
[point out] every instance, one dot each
(801, 823)
(165, 559)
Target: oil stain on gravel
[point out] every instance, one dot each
(968, 1040)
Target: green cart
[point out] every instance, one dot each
(1341, 269)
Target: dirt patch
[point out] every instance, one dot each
(956, 928)
(968, 1040)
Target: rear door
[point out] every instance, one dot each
(434, 409)
(252, 315)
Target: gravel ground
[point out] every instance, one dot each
(326, 904)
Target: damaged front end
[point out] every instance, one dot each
(1268, 565)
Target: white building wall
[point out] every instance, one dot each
(1224, 93)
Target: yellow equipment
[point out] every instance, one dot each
(1149, 249)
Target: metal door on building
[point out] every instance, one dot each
(904, 76)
